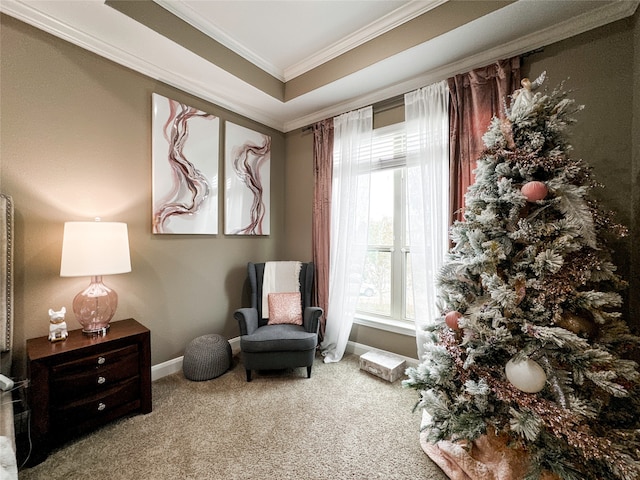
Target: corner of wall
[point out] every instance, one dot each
(175, 364)
(634, 283)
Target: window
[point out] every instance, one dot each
(386, 293)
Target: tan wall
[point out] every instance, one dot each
(75, 144)
(599, 67)
(634, 283)
(299, 194)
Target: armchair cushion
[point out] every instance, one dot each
(284, 308)
(279, 338)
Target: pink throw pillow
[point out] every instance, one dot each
(284, 308)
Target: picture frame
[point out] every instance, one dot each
(185, 165)
(247, 181)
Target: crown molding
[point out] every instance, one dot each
(385, 24)
(390, 21)
(230, 94)
(221, 97)
(183, 11)
(608, 13)
(582, 23)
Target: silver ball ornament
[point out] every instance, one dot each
(526, 375)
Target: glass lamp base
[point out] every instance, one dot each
(95, 306)
(96, 333)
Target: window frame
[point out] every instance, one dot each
(397, 321)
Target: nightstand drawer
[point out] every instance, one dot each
(86, 381)
(96, 362)
(80, 383)
(96, 405)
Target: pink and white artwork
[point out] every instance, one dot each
(185, 151)
(247, 181)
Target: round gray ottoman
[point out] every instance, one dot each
(206, 357)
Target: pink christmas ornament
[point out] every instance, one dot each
(534, 191)
(451, 319)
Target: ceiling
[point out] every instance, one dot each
(287, 64)
(281, 36)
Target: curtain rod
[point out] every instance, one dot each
(398, 100)
(532, 52)
(378, 107)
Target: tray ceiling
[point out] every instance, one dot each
(287, 64)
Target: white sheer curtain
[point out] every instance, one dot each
(349, 226)
(427, 127)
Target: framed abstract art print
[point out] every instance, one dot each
(185, 162)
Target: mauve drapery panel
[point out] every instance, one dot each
(476, 97)
(321, 234)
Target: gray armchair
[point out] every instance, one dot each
(270, 347)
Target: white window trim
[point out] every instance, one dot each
(386, 324)
(387, 160)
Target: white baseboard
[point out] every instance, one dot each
(166, 368)
(175, 365)
(359, 349)
(235, 345)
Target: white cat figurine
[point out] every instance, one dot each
(57, 325)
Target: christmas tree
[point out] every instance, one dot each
(533, 346)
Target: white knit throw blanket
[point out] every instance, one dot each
(279, 277)
(8, 466)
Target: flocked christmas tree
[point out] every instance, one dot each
(534, 347)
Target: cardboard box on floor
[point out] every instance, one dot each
(385, 365)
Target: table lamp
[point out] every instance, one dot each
(94, 249)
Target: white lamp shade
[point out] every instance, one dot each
(94, 248)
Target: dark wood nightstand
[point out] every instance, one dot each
(83, 382)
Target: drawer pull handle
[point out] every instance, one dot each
(101, 406)
(101, 360)
(101, 380)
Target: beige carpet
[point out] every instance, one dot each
(342, 423)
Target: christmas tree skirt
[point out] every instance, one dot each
(489, 458)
